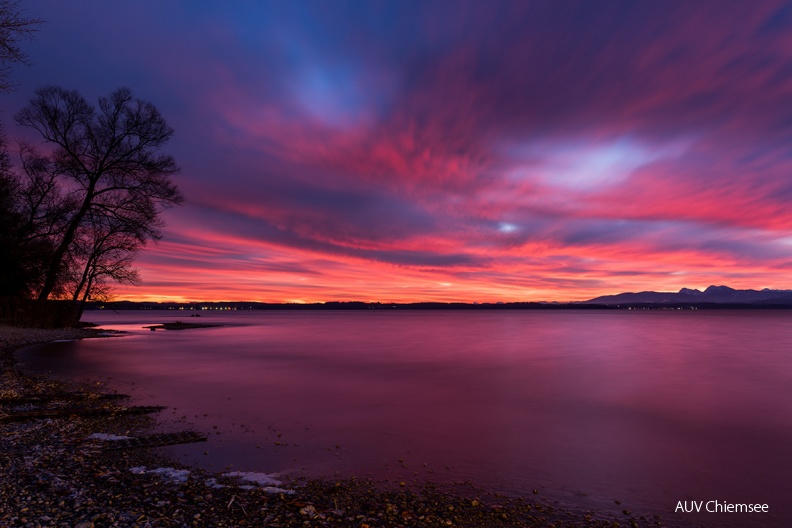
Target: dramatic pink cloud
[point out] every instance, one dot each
(451, 151)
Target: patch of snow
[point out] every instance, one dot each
(267, 481)
(103, 436)
(175, 475)
(275, 489)
(212, 483)
(262, 479)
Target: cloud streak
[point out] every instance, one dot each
(453, 151)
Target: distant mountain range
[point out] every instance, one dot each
(713, 294)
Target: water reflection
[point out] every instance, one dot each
(648, 407)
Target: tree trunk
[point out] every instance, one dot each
(68, 236)
(78, 289)
(81, 307)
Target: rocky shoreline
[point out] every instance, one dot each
(57, 472)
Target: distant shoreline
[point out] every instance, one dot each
(712, 298)
(354, 305)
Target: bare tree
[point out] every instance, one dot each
(34, 211)
(45, 210)
(11, 273)
(110, 162)
(104, 251)
(13, 27)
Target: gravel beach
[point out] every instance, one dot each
(57, 469)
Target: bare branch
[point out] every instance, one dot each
(13, 28)
(118, 180)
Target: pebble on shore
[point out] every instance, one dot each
(52, 475)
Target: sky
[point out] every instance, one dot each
(447, 151)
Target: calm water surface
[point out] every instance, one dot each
(650, 408)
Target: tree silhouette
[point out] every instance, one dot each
(13, 27)
(104, 250)
(35, 213)
(108, 164)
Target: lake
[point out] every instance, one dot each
(646, 407)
